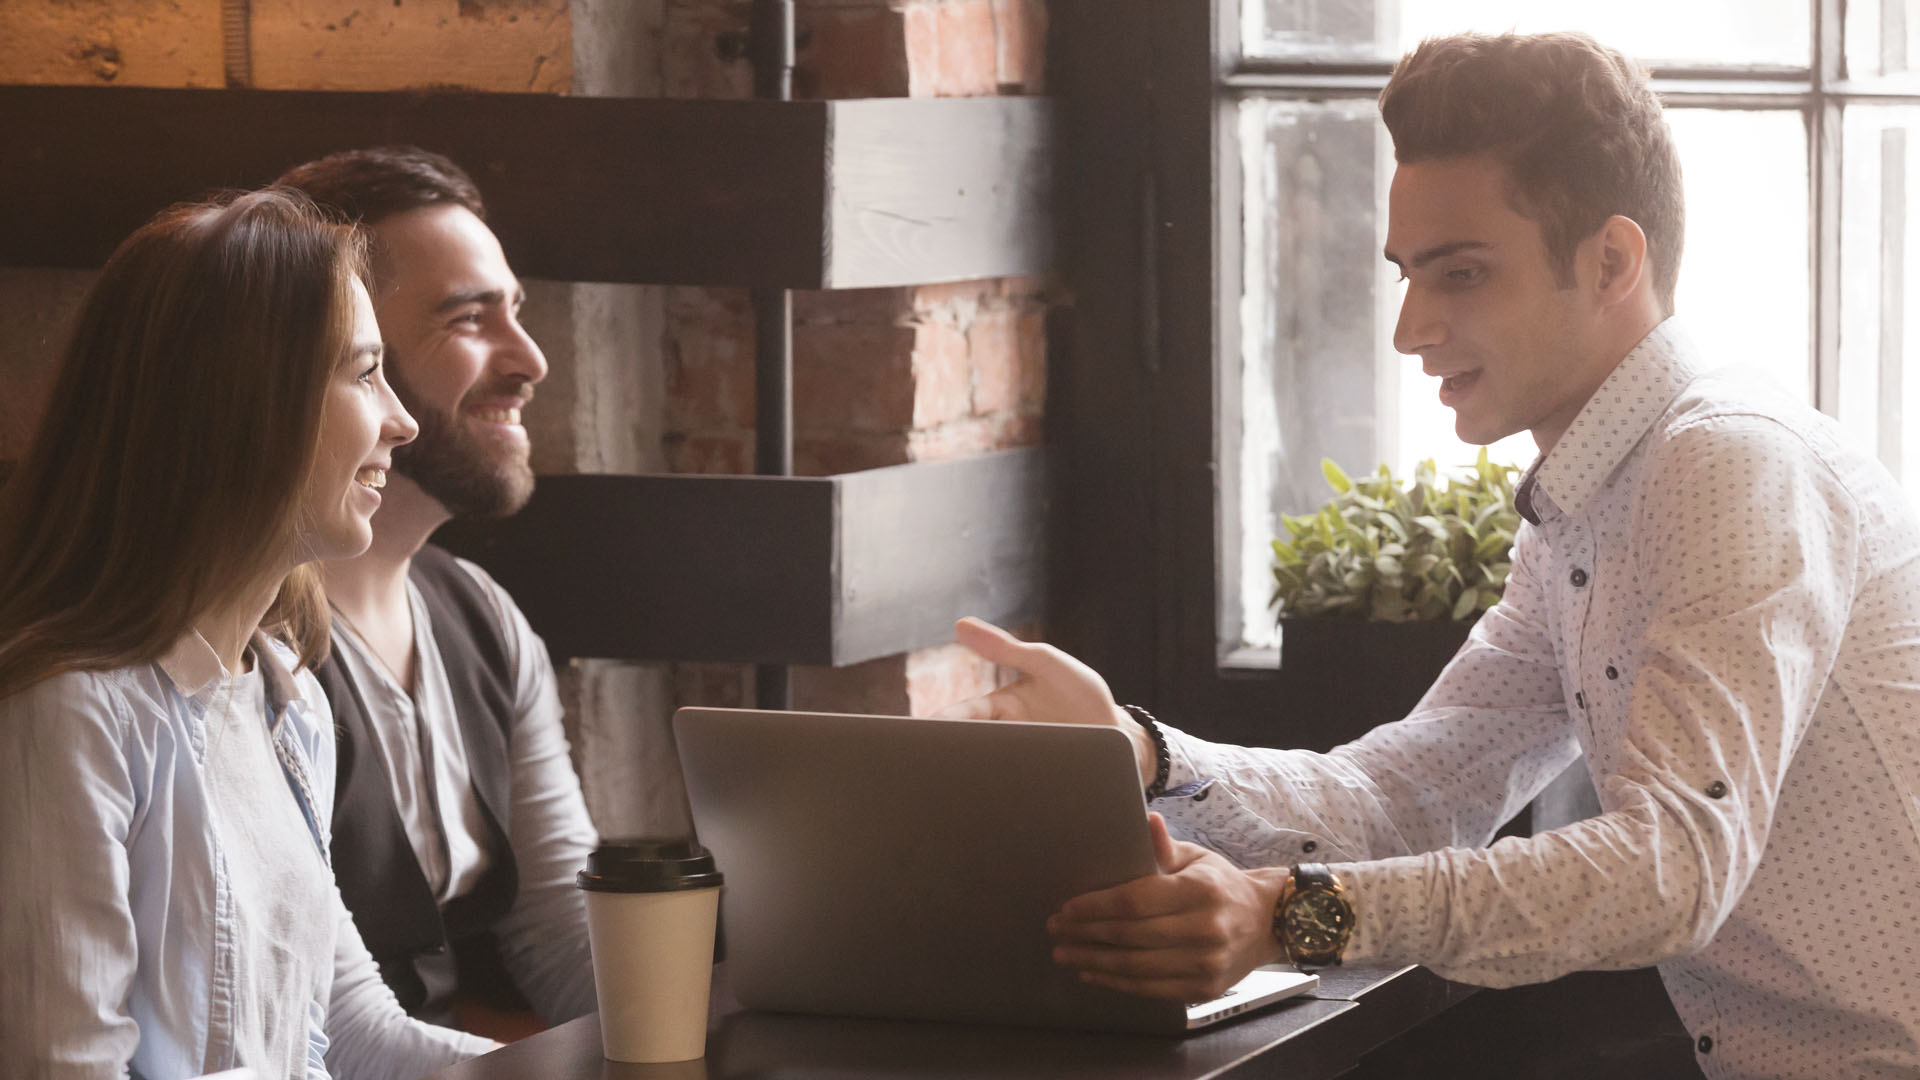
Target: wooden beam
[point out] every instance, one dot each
(802, 194)
(795, 570)
(939, 190)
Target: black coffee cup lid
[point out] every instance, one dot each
(649, 864)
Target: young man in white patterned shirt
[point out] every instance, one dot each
(1715, 598)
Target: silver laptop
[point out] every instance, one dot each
(880, 866)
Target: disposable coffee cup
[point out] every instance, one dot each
(651, 906)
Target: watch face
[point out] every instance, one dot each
(1317, 922)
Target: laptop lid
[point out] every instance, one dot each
(881, 866)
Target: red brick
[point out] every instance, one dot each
(691, 64)
(950, 49)
(851, 52)
(993, 341)
(880, 306)
(853, 376)
(1020, 48)
(729, 453)
(835, 452)
(877, 686)
(105, 42)
(955, 301)
(718, 686)
(1011, 431)
(942, 375)
(709, 374)
(962, 438)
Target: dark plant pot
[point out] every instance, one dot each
(1358, 674)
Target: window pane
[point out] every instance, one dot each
(1741, 32)
(1879, 383)
(1315, 361)
(1318, 376)
(1883, 40)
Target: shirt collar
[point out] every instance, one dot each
(194, 668)
(1611, 424)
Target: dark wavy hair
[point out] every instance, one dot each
(1575, 124)
(368, 185)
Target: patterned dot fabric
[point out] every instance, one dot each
(1716, 599)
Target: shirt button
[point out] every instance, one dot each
(1201, 795)
(1579, 579)
(1310, 846)
(1580, 698)
(1705, 1044)
(1612, 672)
(1717, 789)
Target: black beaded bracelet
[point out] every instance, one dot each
(1162, 757)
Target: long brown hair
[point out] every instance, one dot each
(165, 476)
(1576, 124)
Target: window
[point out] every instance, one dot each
(1794, 122)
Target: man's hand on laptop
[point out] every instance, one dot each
(1053, 688)
(1188, 933)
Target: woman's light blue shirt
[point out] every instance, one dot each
(116, 946)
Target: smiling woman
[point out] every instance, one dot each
(166, 764)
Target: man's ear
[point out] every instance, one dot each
(1620, 249)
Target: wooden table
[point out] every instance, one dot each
(1307, 1038)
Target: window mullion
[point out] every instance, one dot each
(1823, 172)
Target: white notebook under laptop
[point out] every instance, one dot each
(881, 866)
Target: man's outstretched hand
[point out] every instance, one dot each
(1187, 933)
(1053, 688)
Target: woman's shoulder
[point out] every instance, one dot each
(75, 692)
(75, 707)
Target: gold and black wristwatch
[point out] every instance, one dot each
(1313, 919)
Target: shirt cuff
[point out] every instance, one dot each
(1393, 909)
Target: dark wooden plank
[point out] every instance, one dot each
(596, 189)
(580, 189)
(939, 190)
(921, 545)
(791, 570)
(668, 567)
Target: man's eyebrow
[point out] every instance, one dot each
(484, 297)
(1438, 251)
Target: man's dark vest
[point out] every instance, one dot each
(426, 951)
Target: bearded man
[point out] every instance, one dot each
(458, 821)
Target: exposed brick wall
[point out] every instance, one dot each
(881, 376)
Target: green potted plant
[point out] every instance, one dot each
(1379, 587)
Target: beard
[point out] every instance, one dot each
(470, 478)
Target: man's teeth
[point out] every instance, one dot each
(497, 416)
(373, 478)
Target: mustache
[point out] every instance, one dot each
(521, 392)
